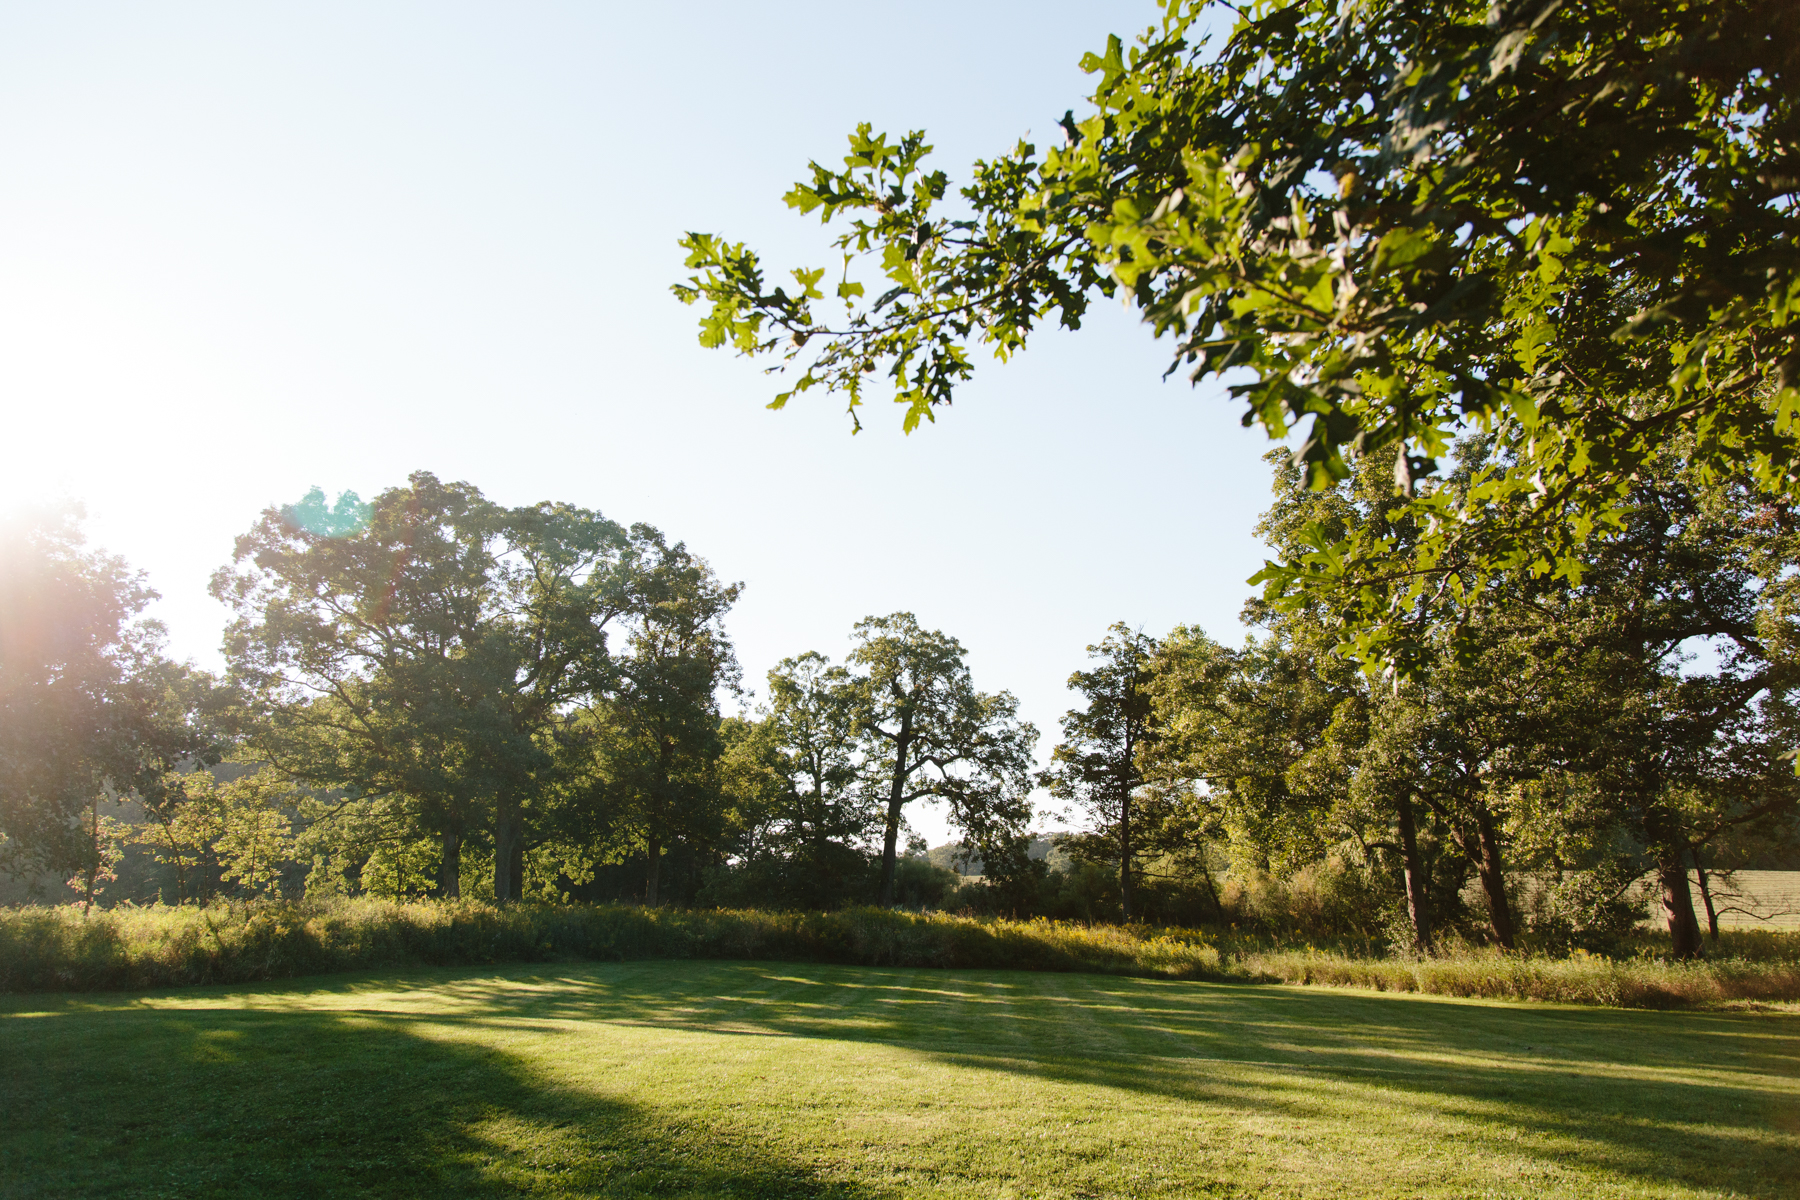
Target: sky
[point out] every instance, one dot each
(250, 249)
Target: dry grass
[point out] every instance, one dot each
(57, 949)
(1643, 982)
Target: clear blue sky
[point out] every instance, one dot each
(246, 249)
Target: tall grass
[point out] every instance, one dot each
(57, 949)
(1638, 982)
(124, 948)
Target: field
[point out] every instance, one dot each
(760, 1079)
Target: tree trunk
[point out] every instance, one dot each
(652, 869)
(889, 846)
(449, 880)
(1712, 915)
(1212, 893)
(1493, 877)
(1126, 883)
(509, 852)
(93, 866)
(1678, 905)
(1417, 906)
(896, 797)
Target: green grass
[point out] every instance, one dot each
(759, 1079)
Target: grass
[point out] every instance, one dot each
(1754, 967)
(756, 1079)
(50, 949)
(55, 949)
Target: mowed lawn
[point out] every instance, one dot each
(762, 1079)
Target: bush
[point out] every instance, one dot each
(1594, 910)
(842, 878)
(1329, 899)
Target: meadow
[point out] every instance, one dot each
(128, 947)
(760, 1079)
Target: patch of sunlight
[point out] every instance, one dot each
(217, 1046)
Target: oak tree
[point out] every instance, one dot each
(1569, 223)
(1098, 764)
(427, 651)
(927, 733)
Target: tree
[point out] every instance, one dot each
(660, 741)
(1301, 754)
(429, 652)
(1098, 763)
(813, 817)
(926, 732)
(380, 845)
(90, 709)
(1570, 223)
(1551, 726)
(238, 829)
(1686, 752)
(1258, 748)
(1494, 709)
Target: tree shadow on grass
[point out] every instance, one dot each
(96, 1100)
(1710, 1100)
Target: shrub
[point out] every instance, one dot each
(1329, 899)
(1593, 910)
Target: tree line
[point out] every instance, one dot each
(431, 693)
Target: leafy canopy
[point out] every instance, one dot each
(926, 733)
(433, 652)
(90, 708)
(1569, 224)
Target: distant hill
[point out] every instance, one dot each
(951, 855)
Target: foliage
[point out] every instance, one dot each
(239, 828)
(1569, 223)
(1097, 764)
(1597, 909)
(90, 709)
(1556, 728)
(376, 845)
(1254, 734)
(811, 731)
(926, 732)
(656, 729)
(432, 652)
(103, 838)
(1689, 750)
(43, 949)
(809, 818)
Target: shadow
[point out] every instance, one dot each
(380, 1086)
(1708, 1100)
(114, 1098)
